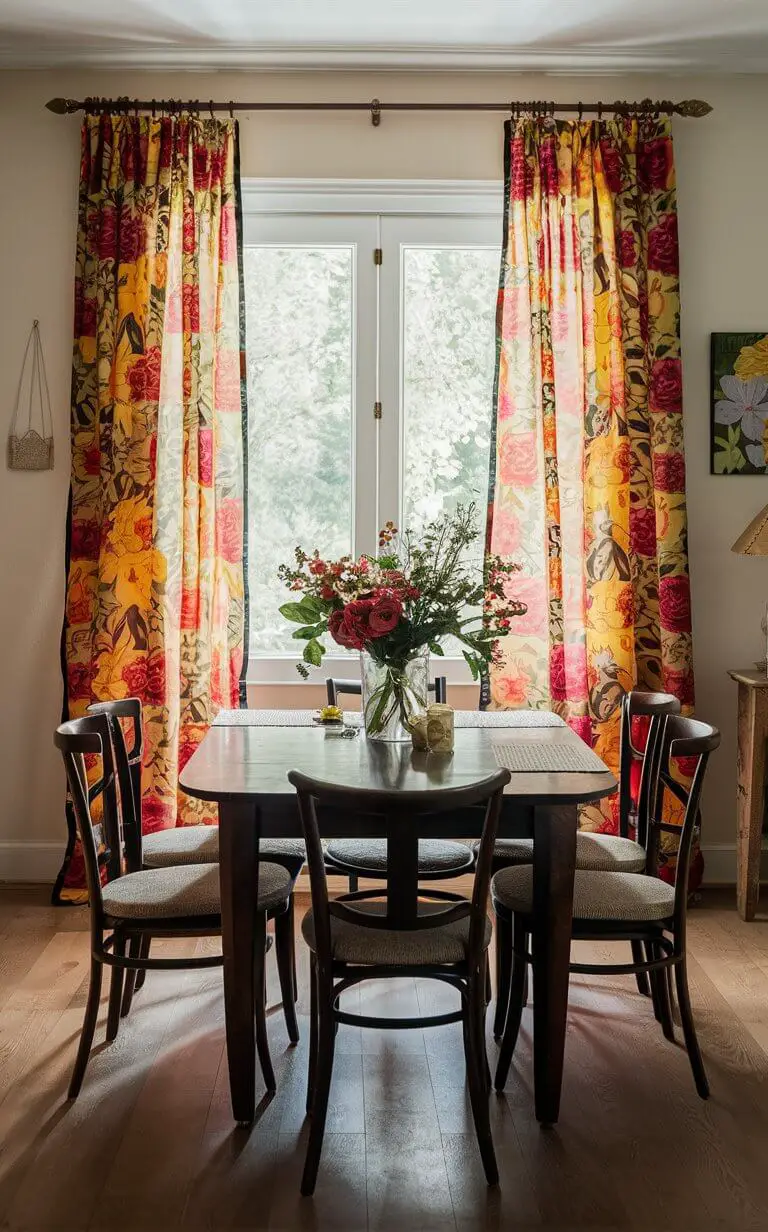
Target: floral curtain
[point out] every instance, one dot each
(588, 475)
(155, 573)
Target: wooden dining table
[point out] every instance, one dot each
(243, 762)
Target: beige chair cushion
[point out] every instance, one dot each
(596, 896)
(200, 845)
(605, 853)
(354, 943)
(435, 855)
(185, 890)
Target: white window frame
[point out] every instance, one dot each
(384, 199)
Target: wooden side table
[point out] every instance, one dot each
(752, 737)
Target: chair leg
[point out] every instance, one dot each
(89, 1026)
(652, 981)
(115, 992)
(259, 1001)
(134, 951)
(517, 995)
(312, 1062)
(474, 1043)
(141, 974)
(503, 973)
(665, 1005)
(326, 1039)
(641, 977)
(689, 1031)
(286, 969)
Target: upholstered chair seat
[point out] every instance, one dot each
(354, 943)
(603, 853)
(200, 845)
(369, 855)
(596, 896)
(185, 890)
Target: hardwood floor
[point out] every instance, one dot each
(150, 1144)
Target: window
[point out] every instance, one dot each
(330, 334)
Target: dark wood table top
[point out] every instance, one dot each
(252, 764)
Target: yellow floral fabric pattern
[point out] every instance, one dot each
(588, 475)
(155, 581)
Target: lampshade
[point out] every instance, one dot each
(754, 540)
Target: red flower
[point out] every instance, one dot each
(666, 386)
(85, 539)
(157, 814)
(130, 237)
(625, 603)
(655, 163)
(669, 472)
(326, 592)
(345, 629)
(557, 685)
(611, 164)
(229, 530)
(135, 676)
(627, 254)
(79, 676)
(104, 232)
(679, 682)
(675, 603)
(144, 376)
(190, 300)
(519, 175)
(686, 766)
(385, 614)
(662, 246)
(190, 602)
(155, 686)
(92, 460)
(642, 530)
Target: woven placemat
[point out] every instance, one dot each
(540, 756)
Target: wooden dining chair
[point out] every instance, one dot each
(596, 852)
(617, 906)
(335, 687)
(182, 845)
(399, 929)
(358, 858)
(127, 908)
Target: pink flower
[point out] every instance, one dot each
(575, 671)
(512, 690)
(205, 456)
(518, 461)
(557, 686)
(532, 592)
(229, 530)
(227, 383)
(384, 615)
(669, 472)
(506, 533)
(582, 725)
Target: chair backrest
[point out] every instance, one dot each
(398, 813)
(100, 839)
(653, 707)
(692, 740)
(128, 769)
(335, 688)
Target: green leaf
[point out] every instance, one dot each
(472, 664)
(307, 631)
(313, 653)
(302, 613)
(436, 649)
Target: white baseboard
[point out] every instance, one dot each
(30, 862)
(40, 863)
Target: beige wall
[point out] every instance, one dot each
(723, 188)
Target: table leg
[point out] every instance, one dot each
(554, 862)
(752, 731)
(238, 874)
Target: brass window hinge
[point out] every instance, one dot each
(378, 256)
(377, 410)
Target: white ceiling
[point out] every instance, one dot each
(548, 35)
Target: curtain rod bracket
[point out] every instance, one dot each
(376, 113)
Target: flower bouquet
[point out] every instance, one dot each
(397, 607)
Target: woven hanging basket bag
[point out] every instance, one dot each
(30, 445)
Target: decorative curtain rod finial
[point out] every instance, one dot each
(63, 106)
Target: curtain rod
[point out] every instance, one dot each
(691, 108)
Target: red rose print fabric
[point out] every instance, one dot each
(588, 470)
(155, 584)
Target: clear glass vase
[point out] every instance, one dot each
(392, 695)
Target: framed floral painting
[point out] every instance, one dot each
(739, 384)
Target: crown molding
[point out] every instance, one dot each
(594, 61)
